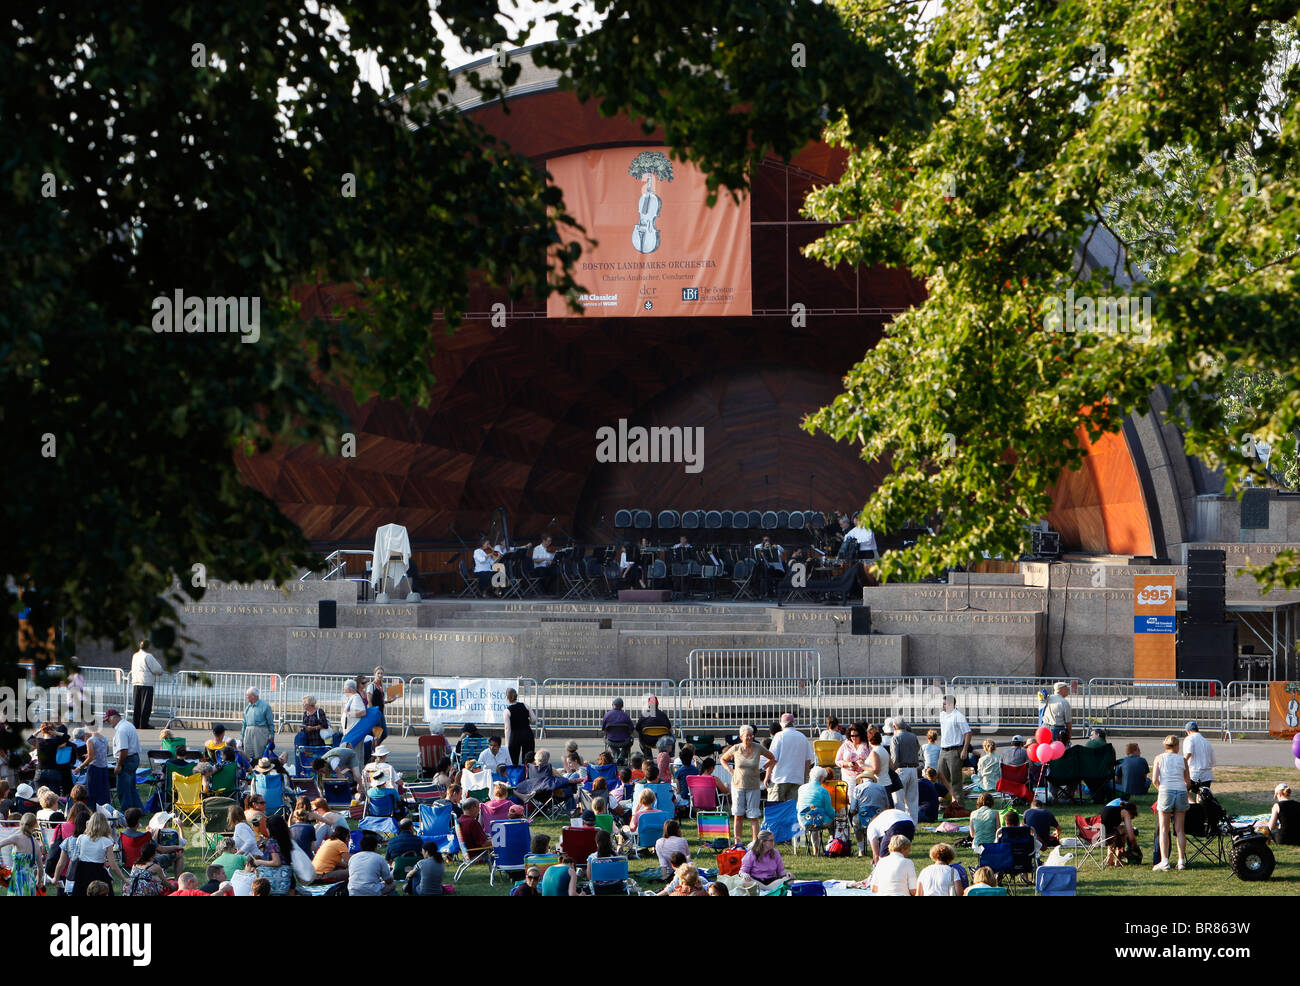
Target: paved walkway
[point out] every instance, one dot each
(405, 754)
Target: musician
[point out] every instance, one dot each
(864, 536)
(630, 572)
(771, 568)
(544, 564)
(484, 558)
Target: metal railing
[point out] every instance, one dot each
(724, 704)
(196, 697)
(1120, 704)
(997, 702)
(754, 663)
(570, 704)
(919, 700)
(581, 703)
(1247, 704)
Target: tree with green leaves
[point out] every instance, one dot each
(237, 151)
(1062, 124)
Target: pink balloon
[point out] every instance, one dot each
(1058, 749)
(1031, 751)
(1044, 751)
(1044, 735)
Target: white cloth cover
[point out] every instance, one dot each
(389, 539)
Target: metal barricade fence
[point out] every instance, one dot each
(201, 697)
(530, 693)
(919, 700)
(103, 689)
(754, 663)
(1126, 705)
(327, 689)
(581, 703)
(723, 705)
(993, 703)
(1248, 703)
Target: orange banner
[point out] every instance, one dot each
(1283, 708)
(1155, 624)
(659, 249)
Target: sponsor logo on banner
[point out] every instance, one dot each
(460, 700)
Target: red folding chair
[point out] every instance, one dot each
(432, 749)
(578, 844)
(1015, 782)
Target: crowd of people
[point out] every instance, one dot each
(65, 834)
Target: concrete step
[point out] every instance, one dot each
(692, 626)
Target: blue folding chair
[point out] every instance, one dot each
(510, 844)
(781, 818)
(271, 787)
(437, 825)
(998, 857)
(384, 826)
(1056, 881)
(514, 776)
(382, 802)
(303, 756)
(649, 830)
(608, 771)
(608, 875)
(663, 796)
(354, 840)
(471, 747)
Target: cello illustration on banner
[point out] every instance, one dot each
(649, 167)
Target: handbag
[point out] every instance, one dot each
(895, 782)
(729, 861)
(303, 868)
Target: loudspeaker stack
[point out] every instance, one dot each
(1207, 641)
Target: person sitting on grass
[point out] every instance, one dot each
(424, 879)
(763, 868)
(368, 874)
(688, 882)
(989, 769)
(405, 842)
(718, 889)
(560, 880)
(216, 877)
(1283, 825)
(984, 883)
(331, 860)
(895, 874)
(260, 887)
(675, 861)
(939, 879)
(530, 885)
(671, 843)
(1047, 830)
(983, 826)
(187, 885)
(169, 857)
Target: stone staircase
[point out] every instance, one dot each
(668, 618)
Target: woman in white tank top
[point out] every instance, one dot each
(1171, 778)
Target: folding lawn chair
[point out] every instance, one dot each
(490, 816)
(470, 748)
(649, 830)
(271, 787)
(781, 818)
(510, 843)
(578, 844)
(609, 875)
(224, 781)
(704, 793)
(998, 857)
(1024, 858)
(1015, 782)
(824, 751)
(606, 822)
(304, 756)
(437, 825)
(608, 771)
(714, 831)
(1089, 841)
(187, 801)
(432, 749)
(481, 855)
(663, 796)
(381, 802)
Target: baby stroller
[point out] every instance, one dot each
(1217, 836)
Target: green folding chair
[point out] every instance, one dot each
(224, 780)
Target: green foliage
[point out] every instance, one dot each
(1039, 146)
(651, 163)
(237, 150)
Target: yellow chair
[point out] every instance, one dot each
(187, 801)
(839, 792)
(825, 751)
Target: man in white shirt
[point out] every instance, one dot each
(1057, 714)
(126, 756)
(954, 747)
(543, 562)
(143, 668)
(866, 539)
(1199, 756)
(483, 566)
(794, 759)
(495, 758)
